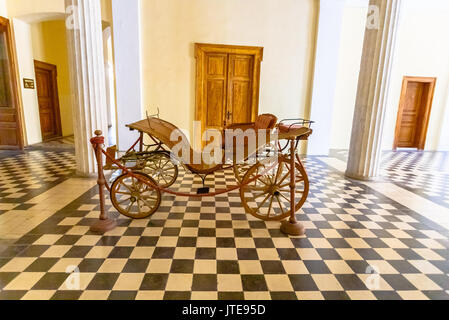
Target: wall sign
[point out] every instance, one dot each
(28, 83)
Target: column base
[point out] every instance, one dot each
(360, 177)
(103, 226)
(293, 229)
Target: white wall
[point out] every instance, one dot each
(171, 27)
(422, 50)
(24, 45)
(3, 8)
(325, 74)
(350, 54)
(127, 54)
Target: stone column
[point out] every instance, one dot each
(85, 43)
(374, 83)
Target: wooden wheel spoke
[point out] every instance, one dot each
(279, 172)
(126, 186)
(284, 197)
(138, 206)
(163, 177)
(124, 193)
(260, 194)
(280, 204)
(129, 207)
(124, 200)
(261, 188)
(270, 206)
(260, 179)
(283, 179)
(166, 162)
(263, 202)
(149, 205)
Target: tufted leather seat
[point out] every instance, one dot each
(263, 122)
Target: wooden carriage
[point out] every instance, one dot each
(269, 174)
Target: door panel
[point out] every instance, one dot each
(240, 102)
(239, 106)
(10, 129)
(216, 66)
(407, 136)
(414, 112)
(48, 100)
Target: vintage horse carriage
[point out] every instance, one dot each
(271, 178)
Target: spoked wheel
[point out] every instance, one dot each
(133, 198)
(240, 170)
(159, 166)
(267, 196)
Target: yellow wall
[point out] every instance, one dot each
(18, 8)
(50, 45)
(171, 27)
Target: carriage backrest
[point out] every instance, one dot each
(265, 121)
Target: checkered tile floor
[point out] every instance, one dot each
(359, 245)
(28, 174)
(424, 173)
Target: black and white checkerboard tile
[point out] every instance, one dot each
(27, 174)
(424, 173)
(359, 245)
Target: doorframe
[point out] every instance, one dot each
(201, 49)
(428, 107)
(16, 96)
(53, 69)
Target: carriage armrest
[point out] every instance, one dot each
(111, 151)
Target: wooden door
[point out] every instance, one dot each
(414, 112)
(10, 117)
(47, 95)
(227, 84)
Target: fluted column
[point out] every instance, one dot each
(374, 81)
(87, 72)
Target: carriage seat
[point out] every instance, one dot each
(265, 121)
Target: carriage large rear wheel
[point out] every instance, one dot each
(267, 195)
(134, 198)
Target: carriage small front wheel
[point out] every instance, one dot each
(161, 168)
(133, 197)
(266, 190)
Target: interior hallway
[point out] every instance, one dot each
(211, 249)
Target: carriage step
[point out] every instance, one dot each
(203, 190)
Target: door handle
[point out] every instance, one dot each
(228, 115)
